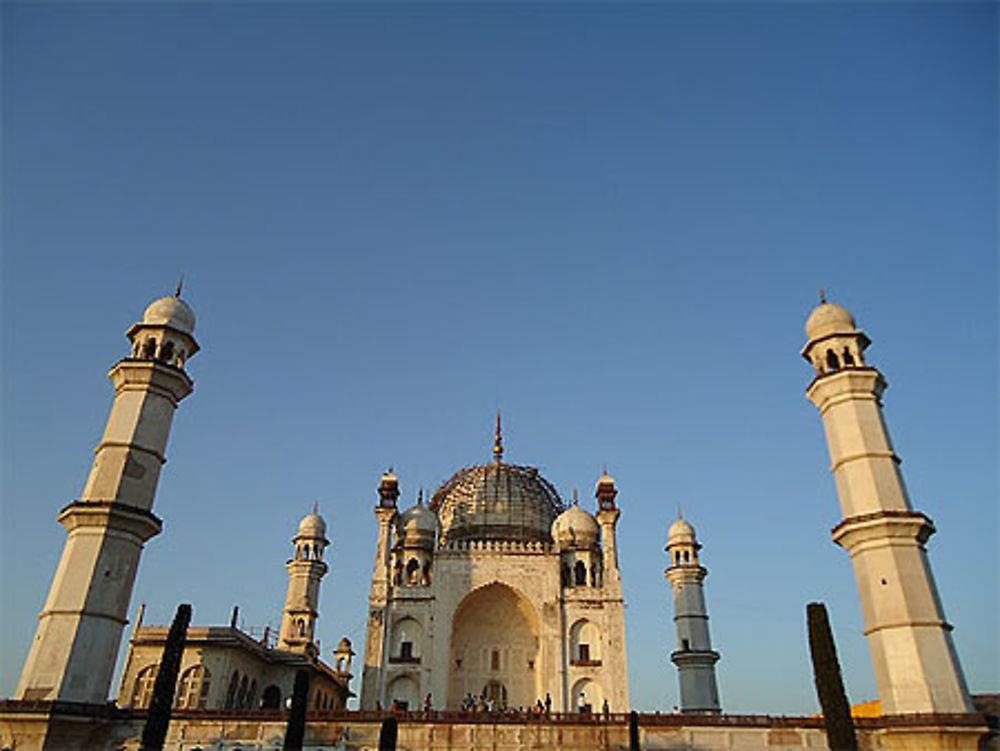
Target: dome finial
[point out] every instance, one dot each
(180, 286)
(498, 442)
(576, 497)
(680, 515)
(315, 507)
(822, 296)
(420, 496)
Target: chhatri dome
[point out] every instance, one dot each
(574, 528)
(170, 311)
(829, 318)
(497, 501)
(417, 524)
(680, 531)
(312, 525)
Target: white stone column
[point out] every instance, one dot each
(73, 655)
(305, 571)
(916, 666)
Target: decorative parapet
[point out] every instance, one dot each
(498, 546)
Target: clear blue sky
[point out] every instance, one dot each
(608, 220)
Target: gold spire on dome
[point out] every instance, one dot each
(576, 497)
(315, 507)
(180, 286)
(498, 442)
(822, 296)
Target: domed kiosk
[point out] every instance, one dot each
(496, 593)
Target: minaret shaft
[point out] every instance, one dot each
(693, 656)
(378, 597)
(72, 656)
(916, 666)
(305, 572)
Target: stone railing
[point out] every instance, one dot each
(500, 546)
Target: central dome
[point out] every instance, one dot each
(497, 502)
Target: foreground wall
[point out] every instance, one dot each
(34, 726)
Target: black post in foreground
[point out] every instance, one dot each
(829, 685)
(633, 731)
(387, 735)
(296, 730)
(154, 733)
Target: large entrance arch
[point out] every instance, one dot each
(494, 648)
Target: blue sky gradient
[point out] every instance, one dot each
(608, 220)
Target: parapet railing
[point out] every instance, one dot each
(498, 717)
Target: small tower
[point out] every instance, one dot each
(73, 654)
(305, 570)
(694, 657)
(344, 655)
(416, 536)
(378, 597)
(916, 666)
(606, 491)
(607, 516)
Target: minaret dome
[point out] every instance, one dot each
(170, 311)
(829, 318)
(574, 528)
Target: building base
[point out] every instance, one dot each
(50, 726)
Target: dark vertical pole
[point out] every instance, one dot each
(154, 733)
(387, 735)
(829, 685)
(296, 730)
(633, 731)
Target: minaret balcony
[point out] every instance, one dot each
(404, 660)
(682, 657)
(585, 663)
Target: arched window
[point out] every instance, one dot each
(149, 348)
(413, 571)
(585, 643)
(252, 695)
(404, 693)
(142, 690)
(192, 693)
(234, 684)
(301, 626)
(406, 636)
(241, 697)
(271, 698)
(425, 579)
(166, 351)
(848, 357)
(687, 556)
(831, 360)
(580, 573)
(587, 695)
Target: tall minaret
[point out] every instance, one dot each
(378, 598)
(305, 571)
(915, 663)
(694, 657)
(608, 514)
(73, 654)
